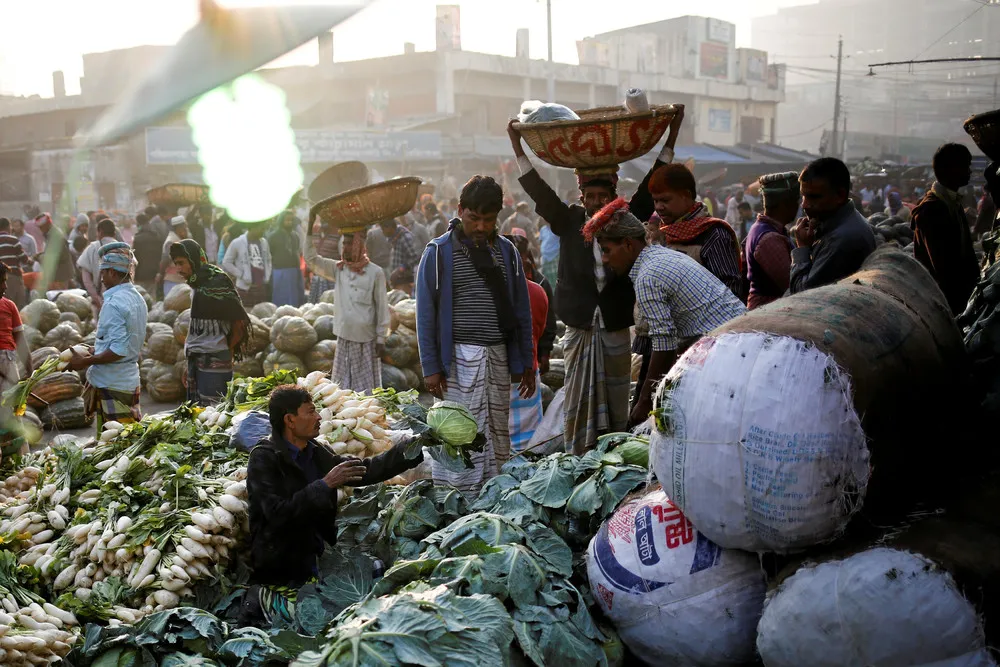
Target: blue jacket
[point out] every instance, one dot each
(434, 307)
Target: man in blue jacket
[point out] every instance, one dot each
(474, 325)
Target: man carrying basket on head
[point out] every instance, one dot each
(596, 306)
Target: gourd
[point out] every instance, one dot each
(292, 334)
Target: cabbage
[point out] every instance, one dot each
(634, 452)
(453, 423)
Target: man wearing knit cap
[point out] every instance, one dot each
(768, 249)
(112, 391)
(169, 275)
(596, 307)
(678, 298)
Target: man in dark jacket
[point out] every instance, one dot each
(292, 483)
(833, 241)
(596, 306)
(942, 241)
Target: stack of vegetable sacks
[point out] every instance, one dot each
(771, 432)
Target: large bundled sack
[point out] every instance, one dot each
(60, 386)
(879, 607)
(314, 311)
(324, 327)
(63, 336)
(293, 334)
(179, 298)
(33, 337)
(261, 335)
(68, 302)
(251, 367)
(163, 382)
(763, 428)
(284, 361)
(66, 414)
(675, 597)
(263, 309)
(286, 310)
(556, 376)
(181, 325)
(406, 313)
(42, 314)
(163, 347)
(320, 356)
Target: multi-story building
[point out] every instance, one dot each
(895, 113)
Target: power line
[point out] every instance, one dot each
(951, 30)
(799, 134)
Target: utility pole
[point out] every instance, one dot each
(552, 74)
(995, 92)
(843, 154)
(836, 99)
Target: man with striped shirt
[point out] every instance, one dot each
(474, 326)
(678, 298)
(16, 260)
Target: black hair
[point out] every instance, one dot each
(286, 399)
(142, 219)
(482, 194)
(521, 243)
(106, 227)
(151, 211)
(829, 169)
(3, 272)
(4, 224)
(744, 204)
(402, 276)
(80, 242)
(949, 155)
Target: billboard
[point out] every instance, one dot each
(449, 28)
(714, 61)
(756, 66)
(720, 120)
(720, 31)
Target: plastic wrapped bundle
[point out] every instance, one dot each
(536, 111)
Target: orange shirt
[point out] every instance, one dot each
(10, 321)
(539, 315)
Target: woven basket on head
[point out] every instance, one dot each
(602, 138)
(984, 129)
(357, 209)
(177, 195)
(339, 178)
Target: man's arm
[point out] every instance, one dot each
(547, 203)
(654, 307)
(427, 328)
(23, 352)
(824, 263)
(641, 204)
(230, 258)
(548, 338)
(117, 336)
(322, 266)
(389, 464)
(381, 309)
(522, 307)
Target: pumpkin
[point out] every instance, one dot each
(56, 387)
(41, 314)
(144, 367)
(70, 317)
(413, 379)
(318, 310)
(169, 317)
(163, 382)
(264, 309)
(68, 302)
(398, 352)
(250, 367)
(394, 378)
(181, 325)
(43, 353)
(320, 357)
(406, 311)
(157, 327)
(409, 335)
(179, 298)
(33, 337)
(324, 327)
(163, 347)
(90, 340)
(145, 296)
(278, 360)
(292, 334)
(327, 296)
(87, 327)
(155, 313)
(286, 310)
(261, 334)
(66, 414)
(63, 336)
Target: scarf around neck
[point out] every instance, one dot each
(491, 272)
(215, 303)
(693, 224)
(360, 253)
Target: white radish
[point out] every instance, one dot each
(223, 517)
(147, 567)
(205, 522)
(166, 598)
(231, 504)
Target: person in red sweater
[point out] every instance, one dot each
(526, 413)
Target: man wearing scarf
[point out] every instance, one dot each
(219, 332)
(474, 326)
(687, 226)
(361, 311)
(768, 249)
(596, 307)
(896, 207)
(112, 389)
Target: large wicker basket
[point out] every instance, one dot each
(177, 195)
(339, 178)
(602, 138)
(984, 129)
(356, 209)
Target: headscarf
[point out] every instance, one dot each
(215, 303)
(81, 220)
(895, 202)
(178, 220)
(614, 221)
(117, 256)
(779, 186)
(359, 251)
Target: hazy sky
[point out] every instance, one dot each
(42, 36)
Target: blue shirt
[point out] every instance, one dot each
(121, 328)
(303, 458)
(550, 244)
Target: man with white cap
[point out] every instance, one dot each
(169, 276)
(112, 391)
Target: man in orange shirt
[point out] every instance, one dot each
(12, 346)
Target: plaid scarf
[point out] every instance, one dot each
(359, 252)
(693, 224)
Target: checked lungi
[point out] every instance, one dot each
(356, 366)
(110, 405)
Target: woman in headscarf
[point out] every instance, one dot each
(219, 331)
(897, 208)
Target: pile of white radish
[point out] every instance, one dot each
(351, 424)
(67, 355)
(214, 418)
(20, 482)
(36, 634)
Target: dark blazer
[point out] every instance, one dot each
(286, 512)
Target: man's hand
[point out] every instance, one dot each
(527, 387)
(675, 123)
(436, 384)
(77, 362)
(348, 473)
(515, 138)
(640, 412)
(543, 365)
(804, 233)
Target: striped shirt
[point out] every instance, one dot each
(678, 298)
(720, 256)
(475, 319)
(12, 253)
